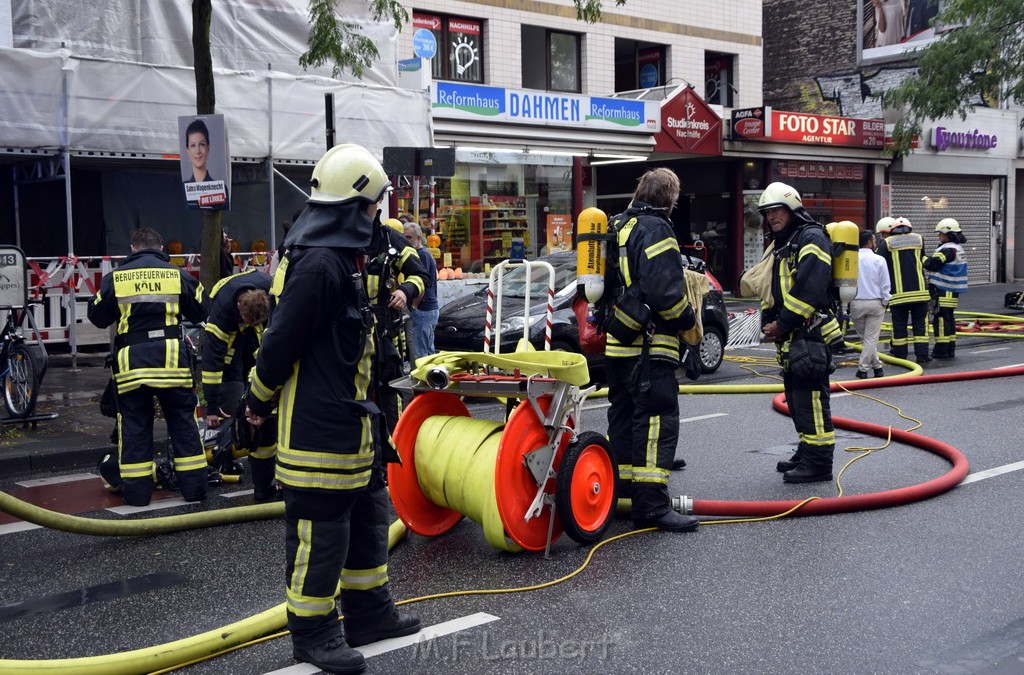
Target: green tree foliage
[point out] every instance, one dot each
(338, 42)
(981, 59)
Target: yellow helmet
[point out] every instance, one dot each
(884, 225)
(947, 225)
(779, 194)
(348, 172)
(396, 225)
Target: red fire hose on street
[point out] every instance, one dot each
(871, 500)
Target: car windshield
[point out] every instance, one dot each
(515, 281)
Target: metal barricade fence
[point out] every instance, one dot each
(66, 284)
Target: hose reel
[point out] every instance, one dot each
(526, 481)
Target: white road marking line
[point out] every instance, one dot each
(390, 645)
(597, 406)
(840, 395)
(1012, 365)
(987, 351)
(702, 417)
(153, 506)
(991, 473)
(70, 478)
(20, 526)
(240, 493)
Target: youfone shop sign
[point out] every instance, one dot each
(688, 125)
(943, 139)
(794, 127)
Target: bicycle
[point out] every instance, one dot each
(22, 373)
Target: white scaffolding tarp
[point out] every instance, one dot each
(124, 76)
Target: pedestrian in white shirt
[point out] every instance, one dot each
(868, 309)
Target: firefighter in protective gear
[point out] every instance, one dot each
(395, 276)
(149, 297)
(318, 363)
(801, 278)
(642, 351)
(946, 281)
(902, 251)
(239, 308)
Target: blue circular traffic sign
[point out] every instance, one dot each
(649, 76)
(424, 44)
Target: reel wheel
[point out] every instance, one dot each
(585, 494)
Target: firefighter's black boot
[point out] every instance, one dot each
(333, 656)
(791, 463)
(396, 625)
(815, 466)
(670, 521)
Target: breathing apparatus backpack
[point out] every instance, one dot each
(598, 284)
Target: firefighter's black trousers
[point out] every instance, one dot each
(917, 314)
(332, 536)
(643, 428)
(135, 442)
(811, 411)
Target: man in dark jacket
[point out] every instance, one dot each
(903, 253)
(148, 297)
(793, 319)
(318, 364)
(239, 307)
(643, 351)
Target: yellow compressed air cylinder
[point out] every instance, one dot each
(844, 264)
(591, 254)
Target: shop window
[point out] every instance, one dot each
(559, 69)
(638, 65)
(460, 46)
(719, 79)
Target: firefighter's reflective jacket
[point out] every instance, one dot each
(650, 267)
(388, 258)
(903, 256)
(948, 267)
(802, 276)
(230, 345)
(148, 297)
(317, 358)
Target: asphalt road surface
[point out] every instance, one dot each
(929, 587)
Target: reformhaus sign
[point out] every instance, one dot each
(525, 106)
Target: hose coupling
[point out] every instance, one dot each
(438, 377)
(683, 504)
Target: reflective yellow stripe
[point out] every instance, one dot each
(649, 474)
(264, 452)
(216, 331)
(213, 377)
(260, 390)
(812, 249)
(190, 463)
(676, 310)
(322, 481)
(138, 470)
(667, 244)
(364, 580)
(324, 460)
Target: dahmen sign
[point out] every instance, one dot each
(688, 125)
(793, 127)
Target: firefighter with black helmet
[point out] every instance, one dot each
(643, 351)
(902, 251)
(149, 297)
(239, 308)
(394, 278)
(318, 364)
(793, 317)
(946, 281)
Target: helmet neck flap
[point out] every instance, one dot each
(345, 225)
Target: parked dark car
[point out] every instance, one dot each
(460, 326)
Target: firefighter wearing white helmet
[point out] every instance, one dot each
(319, 358)
(902, 251)
(882, 229)
(792, 317)
(948, 279)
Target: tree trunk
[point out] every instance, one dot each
(206, 104)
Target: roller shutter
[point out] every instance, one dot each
(925, 199)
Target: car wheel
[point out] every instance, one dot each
(559, 345)
(712, 349)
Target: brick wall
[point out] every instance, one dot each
(803, 40)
